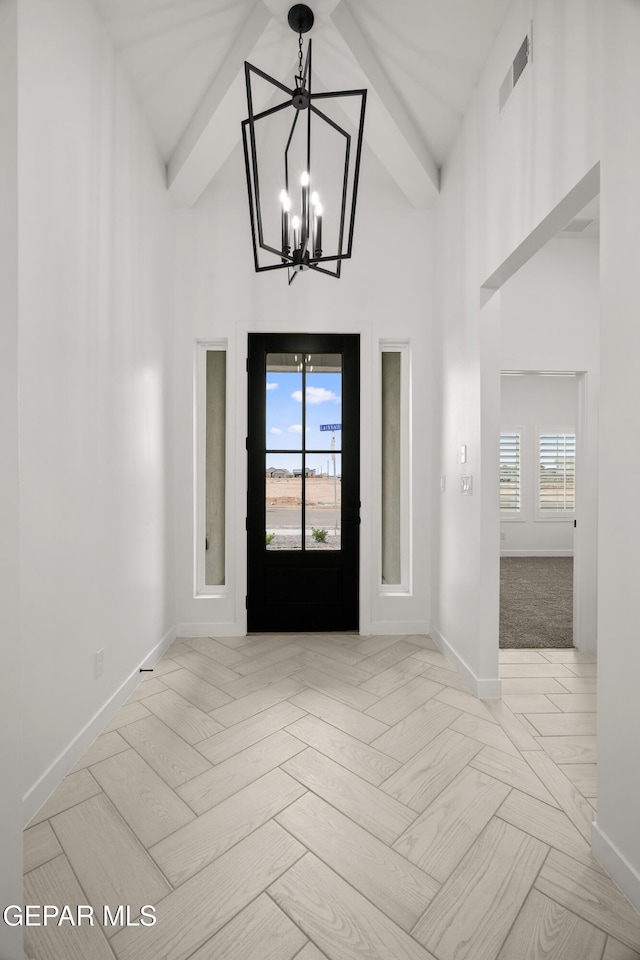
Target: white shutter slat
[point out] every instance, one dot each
(509, 474)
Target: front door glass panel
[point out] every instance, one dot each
(303, 462)
(283, 503)
(323, 382)
(284, 414)
(323, 505)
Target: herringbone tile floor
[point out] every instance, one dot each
(323, 796)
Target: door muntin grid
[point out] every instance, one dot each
(303, 452)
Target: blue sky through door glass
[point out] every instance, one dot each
(284, 416)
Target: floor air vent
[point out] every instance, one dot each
(515, 71)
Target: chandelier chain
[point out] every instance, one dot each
(300, 55)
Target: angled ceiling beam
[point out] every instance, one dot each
(214, 129)
(389, 130)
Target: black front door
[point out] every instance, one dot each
(303, 510)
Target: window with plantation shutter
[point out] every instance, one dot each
(556, 474)
(509, 474)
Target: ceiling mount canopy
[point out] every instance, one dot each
(300, 18)
(302, 206)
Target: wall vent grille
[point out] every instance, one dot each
(515, 71)
(521, 60)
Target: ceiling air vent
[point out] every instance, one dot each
(515, 71)
(521, 60)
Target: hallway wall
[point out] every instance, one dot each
(384, 293)
(616, 837)
(96, 296)
(10, 675)
(507, 173)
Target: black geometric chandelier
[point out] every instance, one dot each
(302, 170)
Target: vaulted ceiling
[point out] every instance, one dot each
(419, 59)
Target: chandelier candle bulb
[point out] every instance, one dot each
(286, 207)
(313, 201)
(304, 183)
(317, 239)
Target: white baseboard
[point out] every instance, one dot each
(616, 864)
(536, 553)
(390, 628)
(210, 630)
(42, 789)
(483, 688)
(397, 628)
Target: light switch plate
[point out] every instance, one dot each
(463, 453)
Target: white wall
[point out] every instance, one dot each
(10, 675)
(530, 404)
(506, 175)
(384, 292)
(617, 838)
(96, 296)
(550, 309)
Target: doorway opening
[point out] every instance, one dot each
(303, 509)
(538, 417)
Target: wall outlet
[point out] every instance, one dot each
(466, 486)
(99, 664)
(503, 536)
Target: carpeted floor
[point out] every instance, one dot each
(536, 602)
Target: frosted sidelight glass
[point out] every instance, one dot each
(216, 408)
(391, 377)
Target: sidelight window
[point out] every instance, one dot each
(211, 440)
(395, 474)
